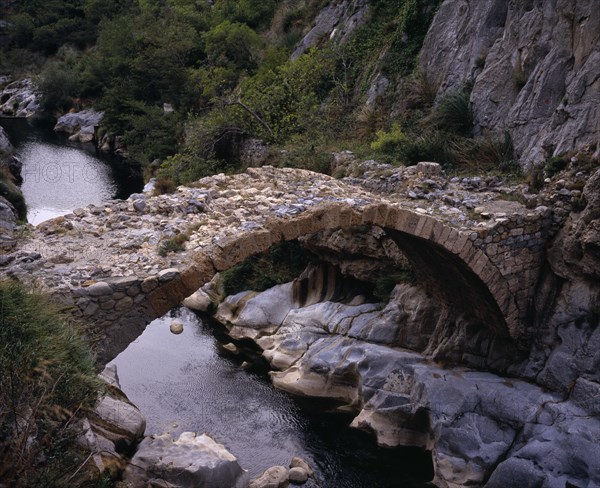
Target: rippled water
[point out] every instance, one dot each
(59, 176)
(183, 383)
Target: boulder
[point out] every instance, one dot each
(80, 126)
(176, 327)
(113, 427)
(191, 461)
(298, 475)
(274, 477)
(19, 99)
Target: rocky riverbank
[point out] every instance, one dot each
(387, 363)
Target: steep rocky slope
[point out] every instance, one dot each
(533, 66)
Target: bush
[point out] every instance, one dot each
(433, 146)
(452, 114)
(163, 186)
(47, 381)
(554, 165)
(386, 282)
(175, 244)
(389, 142)
(281, 264)
(486, 154)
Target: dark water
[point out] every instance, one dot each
(183, 383)
(59, 176)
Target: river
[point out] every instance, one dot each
(59, 176)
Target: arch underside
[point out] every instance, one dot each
(443, 260)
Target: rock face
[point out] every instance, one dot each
(113, 428)
(565, 355)
(191, 461)
(8, 158)
(476, 424)
(534, 70)
(336, 21)
(19, 99)
(81, 126)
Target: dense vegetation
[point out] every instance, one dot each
(225, 67)
(47, 382)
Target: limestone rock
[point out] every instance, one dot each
(198, 301)
(113, 427)
(298, 462)
(19, 99)
(191, 461)
(80, 125)
(274, 477)
(298, 475)
(336, 21)
(533, 66)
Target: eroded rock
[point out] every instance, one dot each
(191, 461)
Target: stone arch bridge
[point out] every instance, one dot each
(103, 262)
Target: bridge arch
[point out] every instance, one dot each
(443, 256)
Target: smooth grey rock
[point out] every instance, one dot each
(298, 475)
(191, 461)
(83, 123)
(168, 274)
(99, 289)
(516, 473)
(274, 477)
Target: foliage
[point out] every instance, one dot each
(174, 244)
(47, 381)
(389, 141)
(554, 165)
(386, 282)
(164, 185)
(452, 114)
(282, 263)
(430, 146)
(486, 153)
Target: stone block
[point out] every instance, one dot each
(99, 289)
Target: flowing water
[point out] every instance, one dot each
(59, 176)
(183, 383)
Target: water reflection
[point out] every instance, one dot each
(59, 176)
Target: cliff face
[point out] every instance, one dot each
(534, 69)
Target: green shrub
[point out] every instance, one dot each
(555, 164)
(452, 114)
(281, 264)
(432, 146)
(175, 244)
(486, 153)
(385, 282)
(47, 381)
(390, 141)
